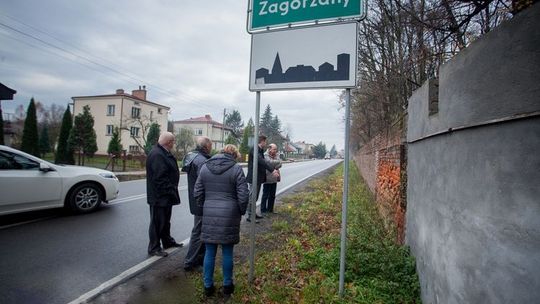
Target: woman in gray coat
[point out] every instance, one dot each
(222, 191)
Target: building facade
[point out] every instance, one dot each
(304, 148)
(205, 126)
(131, 113)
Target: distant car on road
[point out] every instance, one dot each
(327, 156)
(29, 183)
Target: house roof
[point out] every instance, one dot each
(122, 95)
(290, 148)
(6, 93)
(203, 119)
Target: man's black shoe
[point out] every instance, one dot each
(229, 289)
(160, 253)
(209, 291)
(190, 268)
(173, 245)
(258, 216)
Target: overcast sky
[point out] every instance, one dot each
(193, 56)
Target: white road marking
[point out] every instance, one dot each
(120, 278)
(27, 222)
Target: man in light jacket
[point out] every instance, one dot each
(270, 186)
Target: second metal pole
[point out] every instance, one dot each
(345, 194)
(254, 194)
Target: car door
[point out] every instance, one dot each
(23, 187)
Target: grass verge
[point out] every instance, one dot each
(297, 257)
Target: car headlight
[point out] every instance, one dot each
(108, 175)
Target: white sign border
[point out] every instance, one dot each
(298, 24)
(327, 87)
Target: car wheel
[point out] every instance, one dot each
(85, 198)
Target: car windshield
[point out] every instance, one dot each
(12, 161)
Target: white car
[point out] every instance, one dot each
(29, 183)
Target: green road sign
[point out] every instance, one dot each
(265, 14)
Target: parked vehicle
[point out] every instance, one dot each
(29, 183)
(327, 156)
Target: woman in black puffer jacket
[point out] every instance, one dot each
(221, 189)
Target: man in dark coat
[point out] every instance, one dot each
(192, 164)
(222, 191)
(162, 177)
(261, 173)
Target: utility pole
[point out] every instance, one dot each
(223, 129)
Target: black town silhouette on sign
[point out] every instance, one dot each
(305, 73)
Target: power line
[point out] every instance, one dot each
(163, 91)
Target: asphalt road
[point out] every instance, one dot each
(54, 257)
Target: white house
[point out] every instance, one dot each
(205, 126)
(131, 113)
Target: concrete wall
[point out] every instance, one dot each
(473, 210)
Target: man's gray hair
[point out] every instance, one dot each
(202, 142)
(165, 137)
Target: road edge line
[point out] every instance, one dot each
(124, 276)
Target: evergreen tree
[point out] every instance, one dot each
(44, 144)
(319, 150)
(274, 134)
(82, 137)
(64, 153)
(265, 125)
(248, 132)
(333, 151)
(30, 140)
(152, 137)
(115, 144)
(231, 140)
(234, 121)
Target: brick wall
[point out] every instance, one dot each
(382, 163)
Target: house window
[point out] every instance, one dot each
(134, 132)
(159, 111)
(198, 132)
(134, 149)
(151, 114)
(135, 112)
(110, 129)
(110, 110)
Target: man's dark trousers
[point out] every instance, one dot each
(195, 254)
(268, 197)
(256, 197)
(160, 228)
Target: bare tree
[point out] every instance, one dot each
(402, 44)
(138, 128)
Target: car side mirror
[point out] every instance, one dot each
(43, 167)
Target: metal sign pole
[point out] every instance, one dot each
(345, 194)
(254, 194)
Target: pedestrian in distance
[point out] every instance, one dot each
(262, 167)
(162, 177)
(192, 164)
(222, 191)
(270, 186)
